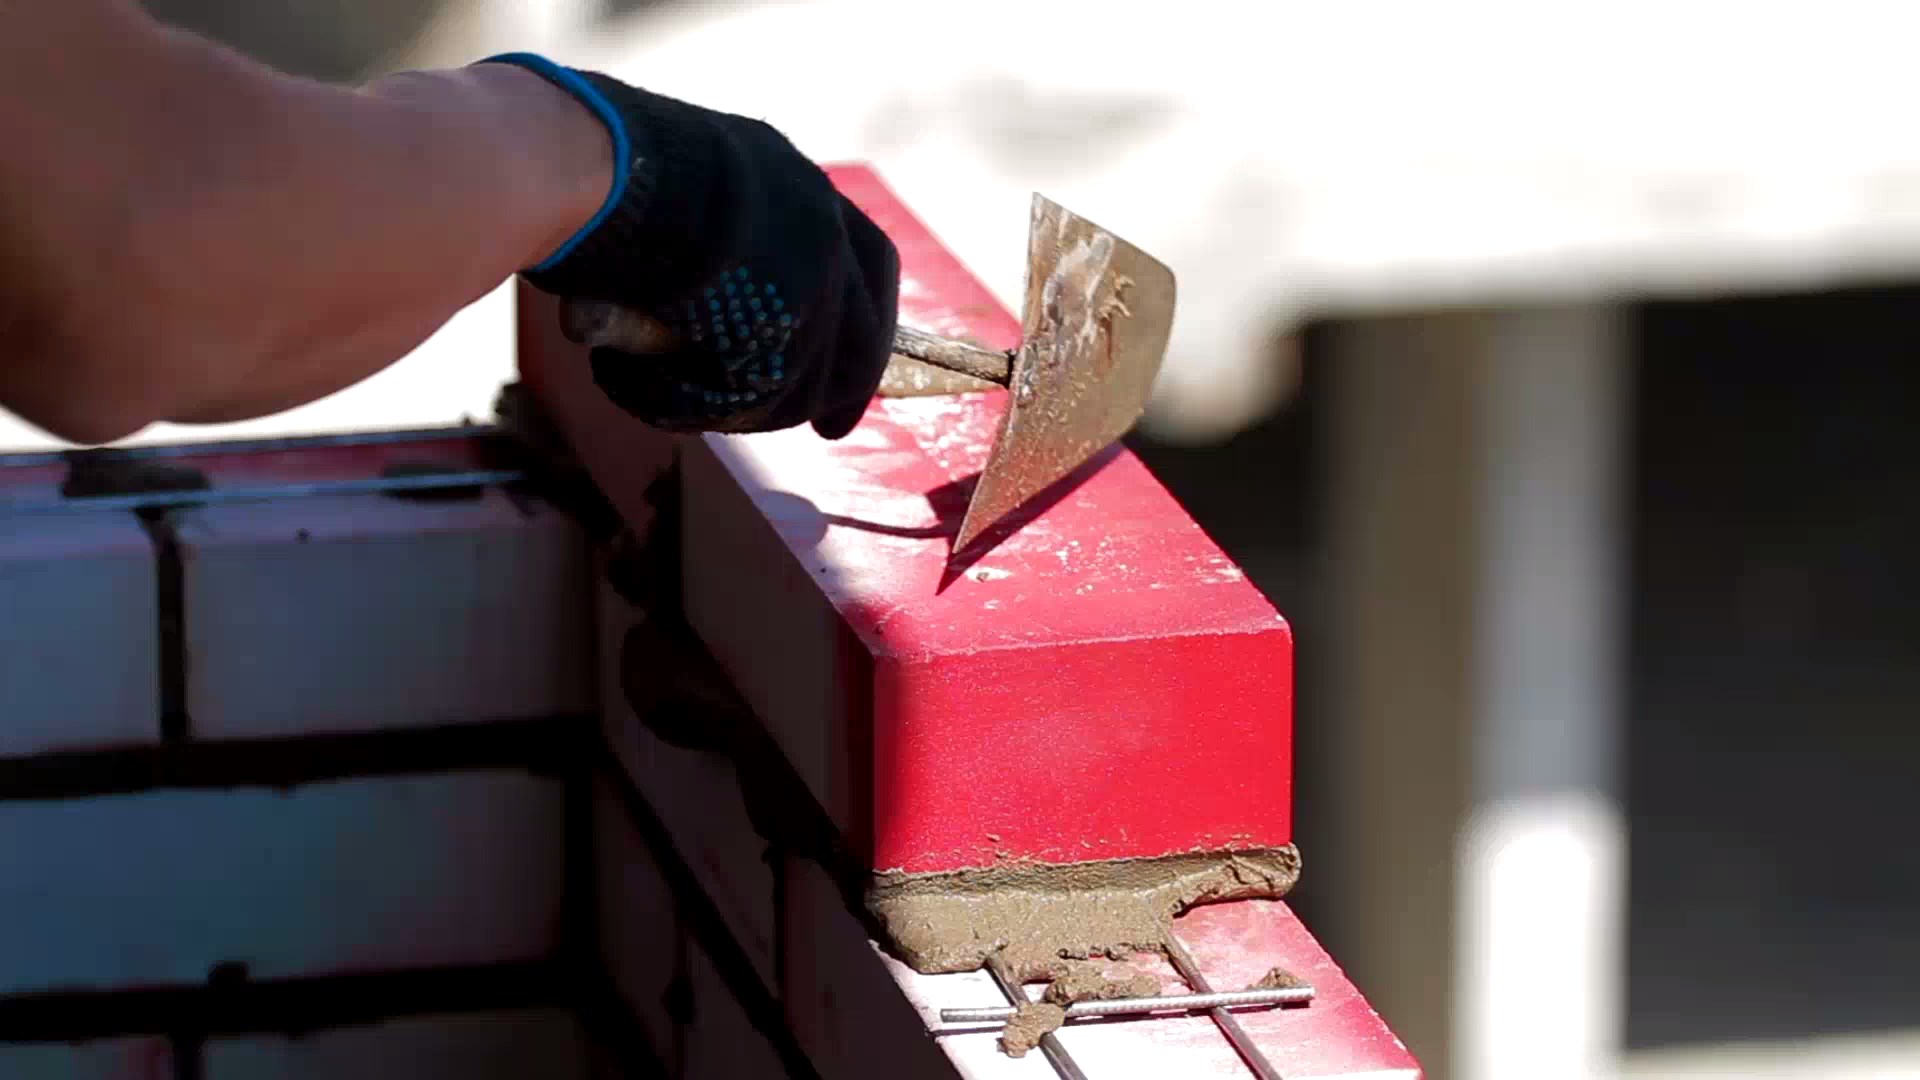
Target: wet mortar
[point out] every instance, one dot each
(1081, 981)
(1031, 916)
(1031, 1023)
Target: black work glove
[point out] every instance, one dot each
(783, 294)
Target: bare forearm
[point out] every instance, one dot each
(242, 241)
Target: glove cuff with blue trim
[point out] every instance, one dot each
(657, 215)
(781, 293)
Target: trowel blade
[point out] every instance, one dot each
(1098, 312)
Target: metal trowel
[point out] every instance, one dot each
(1097, 315)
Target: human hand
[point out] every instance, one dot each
(782, 296)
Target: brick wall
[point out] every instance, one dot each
(295, 788)
(353, 785)
(445, 786)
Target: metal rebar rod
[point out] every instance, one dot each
(1229, 1025)
(1292, 995)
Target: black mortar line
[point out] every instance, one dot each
(169, 573)
(233, 1004)
(546, 746)
(189, 1055)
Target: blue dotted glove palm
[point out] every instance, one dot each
(784, 296)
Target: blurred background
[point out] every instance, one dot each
(1552, 370)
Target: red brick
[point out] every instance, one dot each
(331, 614)
(79, 647)
(475, 1046)
(639, 927)
(696, 795)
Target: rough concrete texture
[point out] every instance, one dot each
(1033, 915)
(1029, 1025)
(1071, 981)
(1277, 979)
(1079, 981)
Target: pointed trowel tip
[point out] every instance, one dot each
(967, 549)
(970, 529)
(977, 527)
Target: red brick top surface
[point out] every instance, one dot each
(872, 516)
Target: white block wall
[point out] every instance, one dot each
(846, 1013)
(844, 1009)
(354, 875)
(369, 612)
(786, 660)
(696, 795)
(299, 617)
(721, 1042)
(79, 633)
(375, 616)
(639, 928)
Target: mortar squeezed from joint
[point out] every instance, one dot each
(1072, 981)
(1030, 1023)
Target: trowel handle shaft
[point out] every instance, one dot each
(993, 365)
(599, 325)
